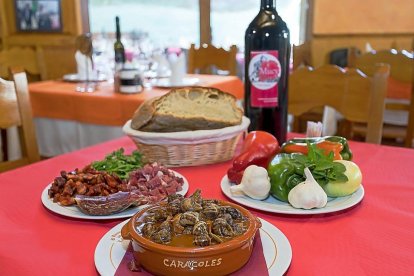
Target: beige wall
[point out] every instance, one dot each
(363, 16)
(336, 24)
(57, 48)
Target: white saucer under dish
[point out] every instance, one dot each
(273, 205)
(276, 248)
(166, 83)
(155, 75)
(76, 78)
(75, 212)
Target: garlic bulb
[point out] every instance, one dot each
(308, 194)
(255, 183)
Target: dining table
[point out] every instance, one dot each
(373, 237)
(67, 120)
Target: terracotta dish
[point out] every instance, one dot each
(219, 259)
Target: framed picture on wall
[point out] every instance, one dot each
(38, 15)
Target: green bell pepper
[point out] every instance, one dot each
(286, 170)
(346, 152)
(285, 174)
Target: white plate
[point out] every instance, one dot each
(273, 205)
(76, 78)
(75, 212)
(276, 248)
(165, 83)
(156, 75)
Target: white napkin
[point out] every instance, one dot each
(163, 67)
(330, 120)
(84, 65)
(177, 66)
(313, 129)
(368, 47)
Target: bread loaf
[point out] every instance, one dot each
(190, 108)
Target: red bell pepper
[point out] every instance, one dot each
(258, 149)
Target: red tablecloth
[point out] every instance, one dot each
(374, 238)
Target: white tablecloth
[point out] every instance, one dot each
(56, 137)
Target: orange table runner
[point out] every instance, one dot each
(58, 100)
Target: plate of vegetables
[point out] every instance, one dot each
(305, 176)
(115, 187)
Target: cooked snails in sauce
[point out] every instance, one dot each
(191, 222)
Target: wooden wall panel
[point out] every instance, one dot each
(54, 46)
(205, 25)
(363, 17)
(334, 24)
(55, 56)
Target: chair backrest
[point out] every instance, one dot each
(358, 97)
(401, 63)
(401, 70)
(26, 57)
(302, 55)
(15, 110)
(207, 56)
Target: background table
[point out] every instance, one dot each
(58, 100)
(373, 238)
(67, 120)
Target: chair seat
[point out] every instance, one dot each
(388, 131)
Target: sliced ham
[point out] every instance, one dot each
(155, 182)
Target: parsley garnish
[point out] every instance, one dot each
(119, 163)
(322, 167)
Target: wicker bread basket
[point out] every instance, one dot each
(188, 148)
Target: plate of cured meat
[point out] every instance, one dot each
(98, 195)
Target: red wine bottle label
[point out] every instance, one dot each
(264, 74)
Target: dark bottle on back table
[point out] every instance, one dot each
(118, 46)
(267, 54)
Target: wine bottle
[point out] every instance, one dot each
(118, 46)
(267, 54)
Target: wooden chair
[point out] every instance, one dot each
(358, 97)
(16, 111)
(302, 55)
(25, 57)
(401, 72)
(206, 56)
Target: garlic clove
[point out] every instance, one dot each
(237, 190)
(308, 194)
(255, 183)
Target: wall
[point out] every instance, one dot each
(57, 48)
(363, 17)
(336, 24)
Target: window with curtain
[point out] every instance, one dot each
(158, 23)
(230, 18)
